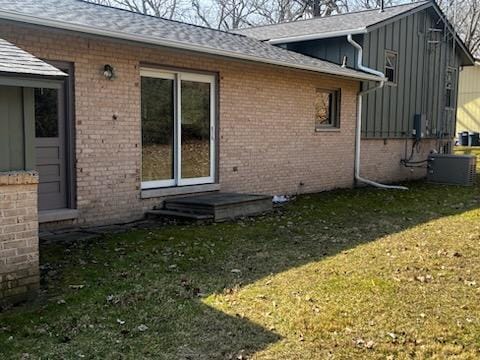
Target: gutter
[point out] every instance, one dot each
(93, 30)
(358, 129)
(330, 34)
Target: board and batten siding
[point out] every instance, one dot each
(468, 113)
(421, 74)
(16, 128)
(421, 78)
(334, 49)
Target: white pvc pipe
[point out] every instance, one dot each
(358, 130)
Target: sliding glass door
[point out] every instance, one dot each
(178, 129)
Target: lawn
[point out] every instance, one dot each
(348, 274)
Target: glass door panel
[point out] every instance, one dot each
(158, 129)
(178, 129)
(46, 113)
(195, 130)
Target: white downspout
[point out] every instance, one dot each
(358, 130)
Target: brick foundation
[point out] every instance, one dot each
(381, 159)
(19, 273)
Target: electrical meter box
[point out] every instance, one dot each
(452, 169)
(419, 126)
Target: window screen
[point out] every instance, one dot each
(391, 66)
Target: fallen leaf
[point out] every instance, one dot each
(142, 328)
(470, 283)
(392, 335)
(360, 342)
(76, 287)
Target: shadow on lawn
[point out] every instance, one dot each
(158, 277)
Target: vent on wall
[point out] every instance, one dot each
(473, 172)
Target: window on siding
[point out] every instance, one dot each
(391, 66)
(327, 109)
(421, 22)
(449, 88)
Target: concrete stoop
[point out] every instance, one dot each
(218, 206)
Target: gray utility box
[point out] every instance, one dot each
(419, 126)
(452, 169)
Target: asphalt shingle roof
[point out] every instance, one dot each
(353, 21)
(90, 18)
(14, 60)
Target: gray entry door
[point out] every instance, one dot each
(50, 120)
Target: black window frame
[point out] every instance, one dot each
(334, 109)
(449, 88)
(389, 67)
(421, 22)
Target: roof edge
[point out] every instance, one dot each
(241, 30)
(459, 41)
(421, 6)
(326, 35)
(363, 30)
(35, 20)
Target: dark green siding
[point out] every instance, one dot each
(16, 128)
(421, 74)
(333, 49)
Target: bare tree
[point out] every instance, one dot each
(465, 17)
(224, 14)
(277, 11)
(292, 10)
(232, 14)
(371, 4)
(470, 26)
(169, 9)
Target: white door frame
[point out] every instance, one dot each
(209, 79)
(178, 77)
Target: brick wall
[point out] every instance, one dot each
(267, 142)
(19, 277)
(381, 159)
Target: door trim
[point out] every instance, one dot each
(70, 131)
(207, 79)
(178, 76)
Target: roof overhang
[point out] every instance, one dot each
(151, 40)
(466, 51)
(25, 80)
(364, 30)
(326, 35)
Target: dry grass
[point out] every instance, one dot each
(351, 274)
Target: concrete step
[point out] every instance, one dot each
(179, 214)
(221, 206)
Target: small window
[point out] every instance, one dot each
(327, 109)
(46, 113)
(421, 22)
(449, 79)
(391, 66)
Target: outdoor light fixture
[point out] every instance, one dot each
(108, 72)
